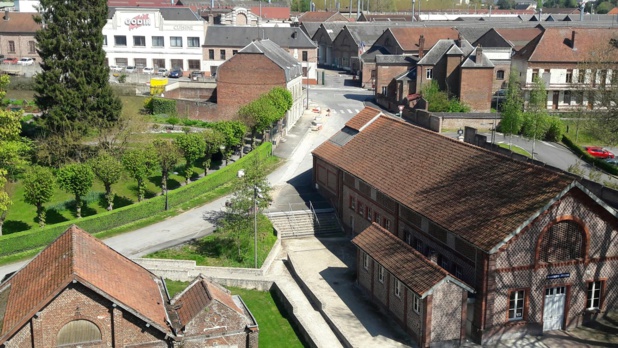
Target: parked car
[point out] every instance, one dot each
(162, 71)
(599, 152)
(148, 71)
(10, 61)
(25, 61)
(130, 69)
(612, 161)
(195, 75)
(115, 68)
(176, 73)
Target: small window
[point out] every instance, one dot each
(353, 203)
(361, 208)
(418, 245)
(104, 40)
(120, 40)
(158, 63)
(176, 41)
(397, 288)
(408, 235)
(193, 42)
(416, 304)
(158, 41)
(31, 47)
(516, 305)
(376, 217)
(386, 224)
(222, 54)
(500, 75)
(429, 74)
(211, 54)
(458, 271)
(365, 261)
(11, 46)
(305, 56)
(369, 213)
(122, 61)
(177, 64)
(567, 97)
(139, 41)
(569, 76)
(384, 91)
(234, 52)
(535, 74)
(194, 64)
(381, 274)
(140, 63)
(443, 262)
(593, 296)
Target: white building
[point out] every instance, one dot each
(154, 37)
(26, 5)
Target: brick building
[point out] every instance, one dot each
(255, 70)
(537, 247)
(17, 35)
(79, 292)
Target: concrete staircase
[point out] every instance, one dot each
(305, 223)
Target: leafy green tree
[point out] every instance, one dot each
(555, 129)
(77, 179)
(167, 154)
(213, 140)
(282, 99)
(108, 169)
(259, 115)
(5, 199)
(192, 146)
(439, 101)
(140, 162)
(39, 186)
(506, 4)
(604, 7)
(233, 132)
(512, 113)
(73, 90)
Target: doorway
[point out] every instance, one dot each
(553, 311)
(555, 100)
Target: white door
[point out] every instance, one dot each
(553, 312)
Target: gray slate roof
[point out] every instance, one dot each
(277, 55)
(233, 36)
(369, 32)
(396, 59)
(333, 28)
(473, 62)
(370, 55)
(168, 13)
(310, 28)
(445, 46)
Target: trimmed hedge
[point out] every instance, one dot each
(586, 157)
(39, 237)
(164, 106)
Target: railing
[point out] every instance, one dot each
(315, 216)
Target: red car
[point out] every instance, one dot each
(599, 152)
(10, 61)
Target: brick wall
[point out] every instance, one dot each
(446, 313)
(413, 319)
(503, 66)
(385, 75)
(361, 222)
(476, 88)
(366, 80)
(21, 47)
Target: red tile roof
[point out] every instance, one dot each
(18, 23)
(199, 295)
(141, 3)
(280, 13)
(362, 118)
(408, 37)
(518, 37)
(78, 256)
(554, 45)
(477, 194)
(401, 260)
(320, 16)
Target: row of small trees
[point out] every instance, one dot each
(263, 112)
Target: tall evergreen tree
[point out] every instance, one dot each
(73, 88)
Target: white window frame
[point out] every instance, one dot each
(191, 40)
(162, 38)
(139, 41)
(520, 296)
(397, 288)
(429, 74)
(175, 41)
(116, 37)
(381, 274)
(365, 261)
(593, 287)
(416, 304)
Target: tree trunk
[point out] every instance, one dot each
(40, 213)
(78, 204)
(109, 197)
(163, 182)
(2, 218)
(140, 190)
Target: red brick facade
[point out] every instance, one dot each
(476, 88)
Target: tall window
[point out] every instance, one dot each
(581, 76)
(569, 76)
(222, 54)
(535, 74)
(104, 40)
(211, 54)
(387, 224)
(563, 241)
(369, 211)
(458, 271)
(158, 41)
(139, 41)
(593, 296)
(140, 62)
(365, 261)
(361, 208)
(193, 42)
(31, 47)
(516, 305)
(429, 74)
(176, 41)
(352, 202)
(500, 75)
(397, 288)
(408, 237)
(381, 274)
(11, 46)
(376, 217)
(567, 97)
(305, 56)
(120, 40)
(384, 91)
(416, 304)
(418, 245)
(194, 64)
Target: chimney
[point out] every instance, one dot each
(6, 15)
(421, 46)
(479, 54)
(460, 38)
(573, 40)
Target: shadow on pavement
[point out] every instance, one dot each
(358, 97)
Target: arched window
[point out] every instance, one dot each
(563, 241)
(500, 75)
(78, 331)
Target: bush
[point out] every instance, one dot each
(555, 130)
(122, 78)
(148, 104)
(581, 153)
(40, 237)
(164, 106)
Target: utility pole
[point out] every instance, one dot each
(413, 4)
(255, 253)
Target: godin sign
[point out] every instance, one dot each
(137, 21)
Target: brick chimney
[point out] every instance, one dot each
(573, 40)
(6, 15)
(421, 46)
(479, 54)
(460, 38)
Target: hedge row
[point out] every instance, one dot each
(35, 238)
(163, 106)
(581, 153)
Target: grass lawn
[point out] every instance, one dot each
(584, 137)
(515, 149)
(219, 249)
(175, 286)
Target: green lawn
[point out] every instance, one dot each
(515, 149)
(584, 137)
(219, 249)
(175, 286)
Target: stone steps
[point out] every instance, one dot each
(303, 223)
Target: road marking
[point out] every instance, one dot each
(333, 111)
(350, 111)
(356, 111)
(342, 111)
(548, 144)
